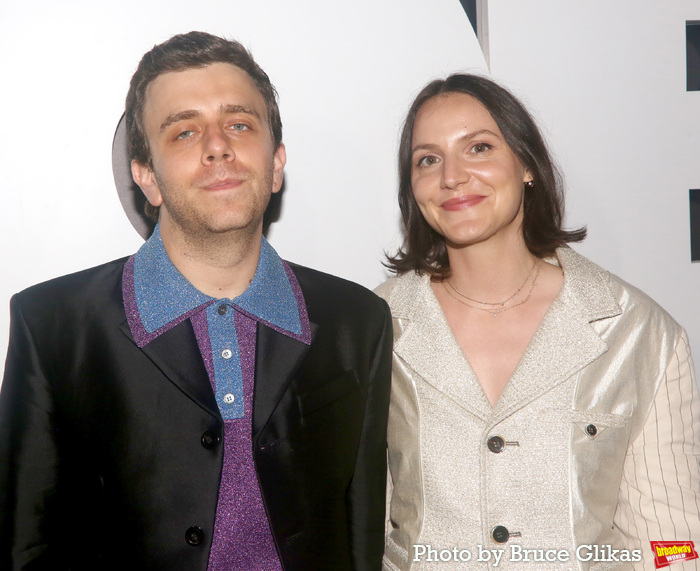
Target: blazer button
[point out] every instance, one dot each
(496, 444)
(194, 535)
(210, 439)
(500, 534)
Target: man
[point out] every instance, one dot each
(201, 404)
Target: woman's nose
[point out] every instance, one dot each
(454, 173)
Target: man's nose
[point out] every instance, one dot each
(217, 147)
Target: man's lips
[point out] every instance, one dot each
(223, 184)
(462, 202)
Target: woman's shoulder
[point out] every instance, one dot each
(400, 291)
(598, 289)
(384, 290)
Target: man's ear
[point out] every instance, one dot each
(278, 161)
(146, 179)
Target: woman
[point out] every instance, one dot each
(538, 402)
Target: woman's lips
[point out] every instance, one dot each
(462, 202)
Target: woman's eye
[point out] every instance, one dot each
(480, 148)
(427, 161)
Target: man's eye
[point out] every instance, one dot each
(427, 161)
(239, 127)
(185, 134)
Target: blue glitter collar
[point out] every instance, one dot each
(164, 297)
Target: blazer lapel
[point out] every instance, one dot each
(562, 345)
(277, 358)
(429, 347)
(177, 355)
(565, 341)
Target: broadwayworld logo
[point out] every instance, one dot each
(668, 552)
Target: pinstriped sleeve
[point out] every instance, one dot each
(659, 496)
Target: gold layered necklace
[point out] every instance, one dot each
(496, 307)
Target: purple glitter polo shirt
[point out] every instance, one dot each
(157, 297)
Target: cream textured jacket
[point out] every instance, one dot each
(598, 436)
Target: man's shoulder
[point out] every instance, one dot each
(320, 288)
(82, 287)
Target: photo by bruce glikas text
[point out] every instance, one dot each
(519, 554)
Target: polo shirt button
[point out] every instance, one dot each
(500, 534)
(194, 535)
(227, 353)
(229, 398)
(210, 439)
(222, 309)
(496, 444)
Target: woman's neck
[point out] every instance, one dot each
(488, 271)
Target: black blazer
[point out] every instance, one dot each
(111, 455)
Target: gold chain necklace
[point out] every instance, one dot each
(500, 306)
(496, 303)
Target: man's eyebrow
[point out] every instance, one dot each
(175, 117)
(231, 109)
(192, 113)
(465, 137)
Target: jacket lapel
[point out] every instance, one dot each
(177, 355)
(277, 358)
(428, 346)
(564, 343)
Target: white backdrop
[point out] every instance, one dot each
(345, 72)
(606, 78)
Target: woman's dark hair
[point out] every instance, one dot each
(424, 249)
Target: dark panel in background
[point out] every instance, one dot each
(692, 55)
(692, 59)
(470, 8)
(695, 224)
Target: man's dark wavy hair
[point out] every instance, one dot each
(179, 53)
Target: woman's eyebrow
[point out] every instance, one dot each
(465, 137)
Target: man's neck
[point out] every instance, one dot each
(220, 265)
